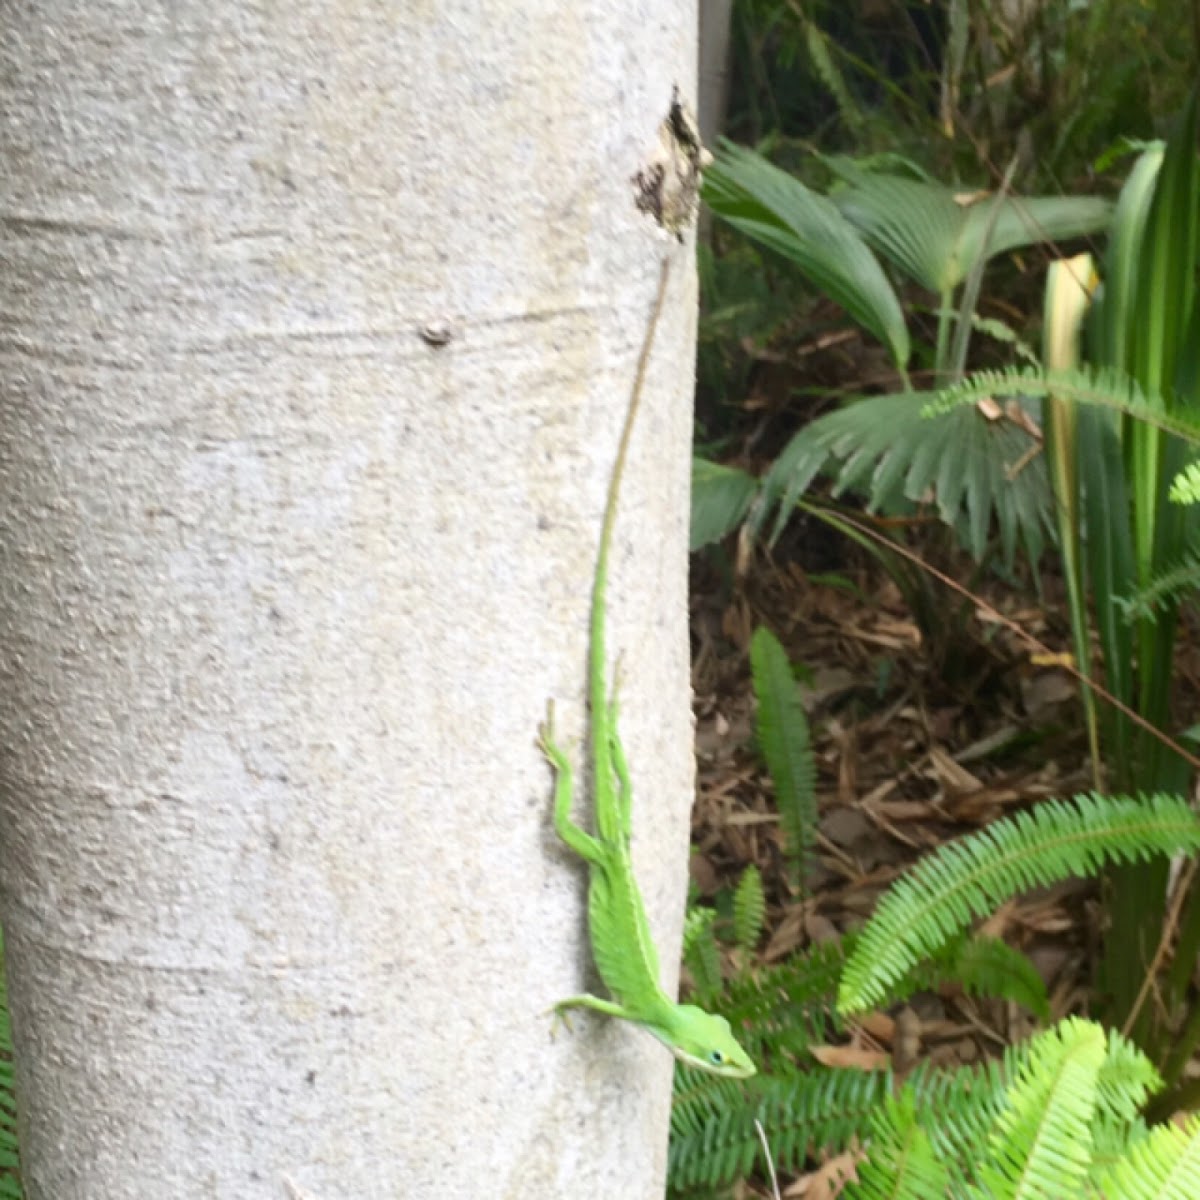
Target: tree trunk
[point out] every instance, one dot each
(317, 328)
(715, 18)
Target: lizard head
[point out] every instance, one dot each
(704, 1040)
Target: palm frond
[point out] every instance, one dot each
(963, 880)
(883, 447)
(937, 241)
(721, 497)
(777, 210)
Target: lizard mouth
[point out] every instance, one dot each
(728, 1069)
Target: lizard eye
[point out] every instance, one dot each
(716, 1058)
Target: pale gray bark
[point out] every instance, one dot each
(317, 326)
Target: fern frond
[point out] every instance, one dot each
(995, 329)
(10, 1182)
(697, 922)
(1126, 1081)
(714, 1140)
(698, 1096)
(749, 908)
(1111, 1142)
(826, 70)
(1166, 589)
(784, 742)
(1042, 1142)
(901, 1162)
(1102, 387)
(1056, 840)
(1185, 487)
(986, 966)
(701, 954)
(960, 1107)
(882, 447)
(1162, 1166)
(785, 1008)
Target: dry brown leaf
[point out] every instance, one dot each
(829, 1180)
(856, 1058)
(954, 778)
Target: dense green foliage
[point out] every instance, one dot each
(10, 1183)
(1002, 1128)
(894, 157)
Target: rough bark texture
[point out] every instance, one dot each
(317, 324)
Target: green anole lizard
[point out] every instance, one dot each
(621, 941)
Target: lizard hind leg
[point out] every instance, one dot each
(620, 763)
(624, 783)
(578, 839)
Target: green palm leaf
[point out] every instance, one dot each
(777, 210)
(721, 497)
(885, 448)
(937, 238)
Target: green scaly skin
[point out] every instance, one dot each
(621, 941)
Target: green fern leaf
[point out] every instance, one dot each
(1111, 1142)
(1165, 1165)
(960, 1107)
(701, 954)
(10, 1182)
(784, 1008)
(985, 966)
(901, 1162)
(784, 741)
(713, 1135)
(1041, 1146)
(963, 880)
(749, 908)
(1185, 487)
(1166, 590)
(1101, 387)
(827, 72)
(1127, 1079)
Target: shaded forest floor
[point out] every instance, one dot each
(918, 740)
